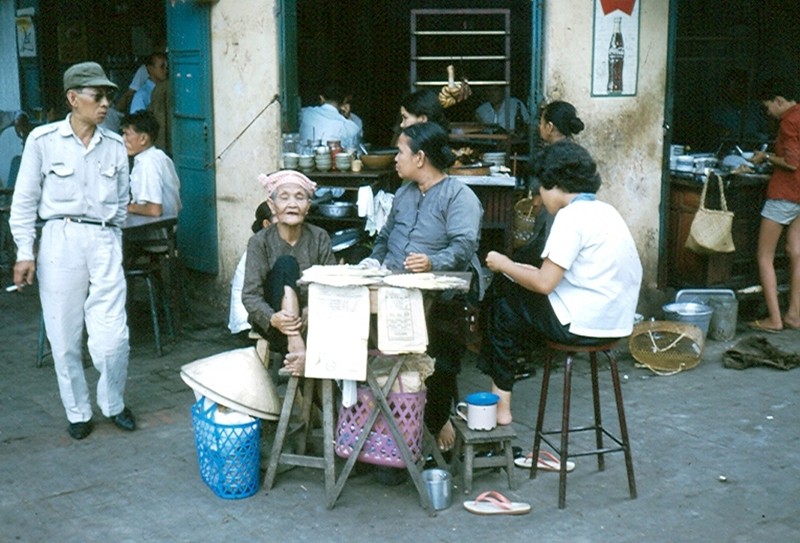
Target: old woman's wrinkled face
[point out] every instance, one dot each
(290, 204)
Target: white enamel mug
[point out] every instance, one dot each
(481, 410)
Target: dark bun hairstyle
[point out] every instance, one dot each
(564, 116)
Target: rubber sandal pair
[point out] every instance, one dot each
(758, 326)
(494, 503)
(547, 462)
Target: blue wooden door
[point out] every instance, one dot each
(188, 38)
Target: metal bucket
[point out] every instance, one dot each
(439, 484)
(723, 321)
(693, 313)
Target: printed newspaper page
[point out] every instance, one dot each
(401, 321)
(338, 330)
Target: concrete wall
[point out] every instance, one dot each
(245, 62)
(623, 134)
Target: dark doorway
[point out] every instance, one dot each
(365, 45)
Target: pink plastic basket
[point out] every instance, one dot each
(380, 447)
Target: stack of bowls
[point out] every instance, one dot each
(306, 163)
(343, 161)
(290, 161)
(323, 161)
(495, 158)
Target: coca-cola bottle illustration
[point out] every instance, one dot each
(616, 58)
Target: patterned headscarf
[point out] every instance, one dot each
(272, 181)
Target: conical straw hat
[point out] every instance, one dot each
(236, 379)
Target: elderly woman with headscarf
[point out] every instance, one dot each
(276, 257)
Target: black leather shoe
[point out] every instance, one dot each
(79, 430)
(124, 419)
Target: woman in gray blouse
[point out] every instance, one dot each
(434, 225)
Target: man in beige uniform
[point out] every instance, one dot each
(74, 175)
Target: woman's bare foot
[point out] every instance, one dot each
(765, 325)
(446, 437)
(791, 322)
(295, 363)
(504, 417)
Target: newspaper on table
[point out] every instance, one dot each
(401, 321)
(338, 330)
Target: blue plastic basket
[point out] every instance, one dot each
(228, 454)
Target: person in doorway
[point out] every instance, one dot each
(161, 107)
(587, 287)
(559, 120)
(422, 106)
(276, 257)
(157, 72)
(782, 207)
(346, 109)
(237, 317)
(74, 176)
(496, 110)
(434, 225)
(155, 186)
(326, 123)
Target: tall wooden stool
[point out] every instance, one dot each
(299, 457)
(467, 439)
(151, 273)
(622, 443)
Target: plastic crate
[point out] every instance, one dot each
(228, 454)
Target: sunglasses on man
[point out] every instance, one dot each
(98, 95)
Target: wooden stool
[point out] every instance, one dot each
(466, 440)
(623, 445)
(299, 457)
(151, 273)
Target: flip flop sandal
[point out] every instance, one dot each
(547, 462)
(494, 503)
(759, 327)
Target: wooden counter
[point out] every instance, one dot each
(745, 197)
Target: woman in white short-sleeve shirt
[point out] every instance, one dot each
(586, 290)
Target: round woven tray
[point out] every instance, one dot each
(667, 347)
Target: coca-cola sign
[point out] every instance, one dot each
(625, 6)
(615, 55)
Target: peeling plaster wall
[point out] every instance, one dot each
(624, 135)
(244, 37)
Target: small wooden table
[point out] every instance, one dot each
(335, 484)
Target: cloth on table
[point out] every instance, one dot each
(381, 206)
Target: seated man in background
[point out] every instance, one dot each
(157, 72)
(325, 122)
(155, 187)
(496, 110)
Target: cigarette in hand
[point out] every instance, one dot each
(11, 288)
